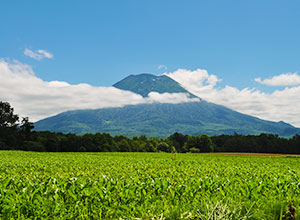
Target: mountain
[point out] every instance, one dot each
(161, 120)
(145, 83)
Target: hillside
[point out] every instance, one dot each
(161, 120)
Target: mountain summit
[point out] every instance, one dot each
(145, 83)
(161, 120)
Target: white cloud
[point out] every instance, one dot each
(280, 105)
(197, 81)
(31, 96)
(285, 79)
(173, 98)
(38, 54)
(162, 67)
(37, 99)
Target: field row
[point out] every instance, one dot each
(147, 186)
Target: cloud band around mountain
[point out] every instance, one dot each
(37, 99)
(280, 105)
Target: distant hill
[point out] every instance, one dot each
(161, 120)
(145, 83)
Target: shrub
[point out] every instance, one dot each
(194, 150)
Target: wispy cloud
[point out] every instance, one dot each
(285, 79)
(38, 54)
(162, 67)
(33, 97)
(173, 98)
(280, 105)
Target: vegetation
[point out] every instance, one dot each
(19, 136)
(147, 186)
(12, 133)
(144, 185)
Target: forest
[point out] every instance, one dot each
(16, 134)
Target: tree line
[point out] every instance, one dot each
(16, 134)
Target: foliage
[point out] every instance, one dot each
(203, 143)
(194, 150)
(7, 117)
(19, 136)
(147, 186)
(13, 133)
(101, 142)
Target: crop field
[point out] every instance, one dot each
(147, 186)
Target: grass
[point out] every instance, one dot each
(147, 186)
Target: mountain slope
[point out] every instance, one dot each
(144, 83)
(161, 120)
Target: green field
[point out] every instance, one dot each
(147, 186)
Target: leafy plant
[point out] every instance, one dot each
(43, 185)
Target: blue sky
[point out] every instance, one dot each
(101, 42)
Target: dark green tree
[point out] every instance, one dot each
(124, 146)
(177, 140)
(203, 143)
(206, 144)
(192, 142)
(8, 127)
(7, 117)
(163, 146)
(25, 128)
(26, 125)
